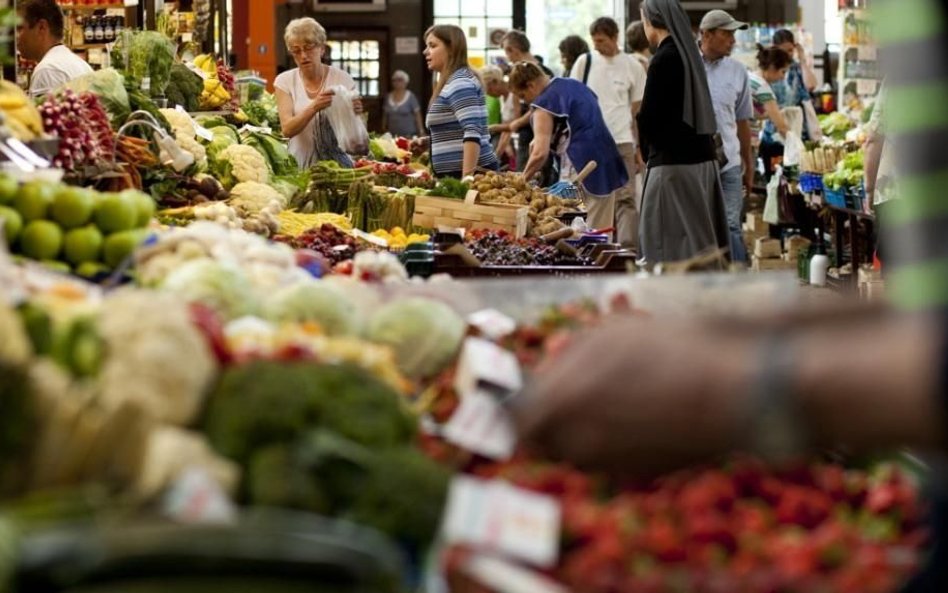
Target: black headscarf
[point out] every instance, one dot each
(698, 109)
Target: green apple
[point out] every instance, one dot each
(120, 245)
(12, 223)
(33, 199)
(145, 205)
(72, 206)
(115, 212)
(8, 189)
(56, 265)
(41, 239)
(82, 245)
(91, 269)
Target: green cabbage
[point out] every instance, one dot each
(424, 334)
(313, 301)
(224, 288)
(223, 137)
(109, 86)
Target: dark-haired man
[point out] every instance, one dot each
(39, 37)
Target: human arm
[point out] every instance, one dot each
(776, 116)
(419, 123)
(540, 148)
(680, 414)
(744, 135)
(472, 153)
(292, 124)
(809, 75)
(872, 159)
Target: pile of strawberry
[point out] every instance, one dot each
(743, 527)
(740, 527)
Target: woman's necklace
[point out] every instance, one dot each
(307, 86)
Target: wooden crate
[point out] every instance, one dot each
(432, 212)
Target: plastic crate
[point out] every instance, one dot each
(835, 198)
(811, 182)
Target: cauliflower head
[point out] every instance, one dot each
(155, 355)
(246, 164)
(251, 197)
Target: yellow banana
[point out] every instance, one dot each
(19, 131)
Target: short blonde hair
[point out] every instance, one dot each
(305, 29)
(492, 74)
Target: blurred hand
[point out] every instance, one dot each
(322, 101)
(357, 105)
(419, 144)
(639, 396)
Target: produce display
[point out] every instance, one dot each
(511, 188)
(836, 125)
(82, 126)
(256, 325)
(497, 248)
(73, 228)
(20, 115)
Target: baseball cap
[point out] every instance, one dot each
(718, 19)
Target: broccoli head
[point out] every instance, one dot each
(268, 402)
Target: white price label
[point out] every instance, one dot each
(495, 516)
(195, 497)
(492, 323)
(485, 366)
(200, 130)
(482, 426)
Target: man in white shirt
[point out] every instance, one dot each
(729, 83)
(39, 37)
(618, 80)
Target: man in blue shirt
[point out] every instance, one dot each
(730, 93)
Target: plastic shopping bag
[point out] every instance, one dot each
(349, 128)
(772, 205)
(793, 150)
(814, 131)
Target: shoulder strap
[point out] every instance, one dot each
(589, 61)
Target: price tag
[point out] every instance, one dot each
(482, 426)
(368, 237)
(258, 129)
(200, 130)
(196, 498)
(485, 366)
(495, 516)
(502, 576)
(492, 323)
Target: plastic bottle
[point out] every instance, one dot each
(819, 264)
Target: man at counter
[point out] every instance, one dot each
(39, 37)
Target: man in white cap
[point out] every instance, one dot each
(729, 83)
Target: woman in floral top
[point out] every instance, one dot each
(772, 66)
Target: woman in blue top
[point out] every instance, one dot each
(567, 119)
(457, 116)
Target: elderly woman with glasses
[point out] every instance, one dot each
(304, 93)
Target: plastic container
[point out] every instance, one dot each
(835, 198)
(819, 265)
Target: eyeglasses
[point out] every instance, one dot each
(298, 51)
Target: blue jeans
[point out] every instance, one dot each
(732, 183)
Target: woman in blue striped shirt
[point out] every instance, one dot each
(457, 115)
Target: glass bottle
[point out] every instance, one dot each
(100, 29)
(109, 30)
(88, 32)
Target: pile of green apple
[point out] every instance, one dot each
(73, 228)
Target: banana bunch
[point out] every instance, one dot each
(19, 113)
(214, 94)
(208, 64)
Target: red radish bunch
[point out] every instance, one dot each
(230, 83)
(82, 125)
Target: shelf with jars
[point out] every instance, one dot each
(860, 74)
